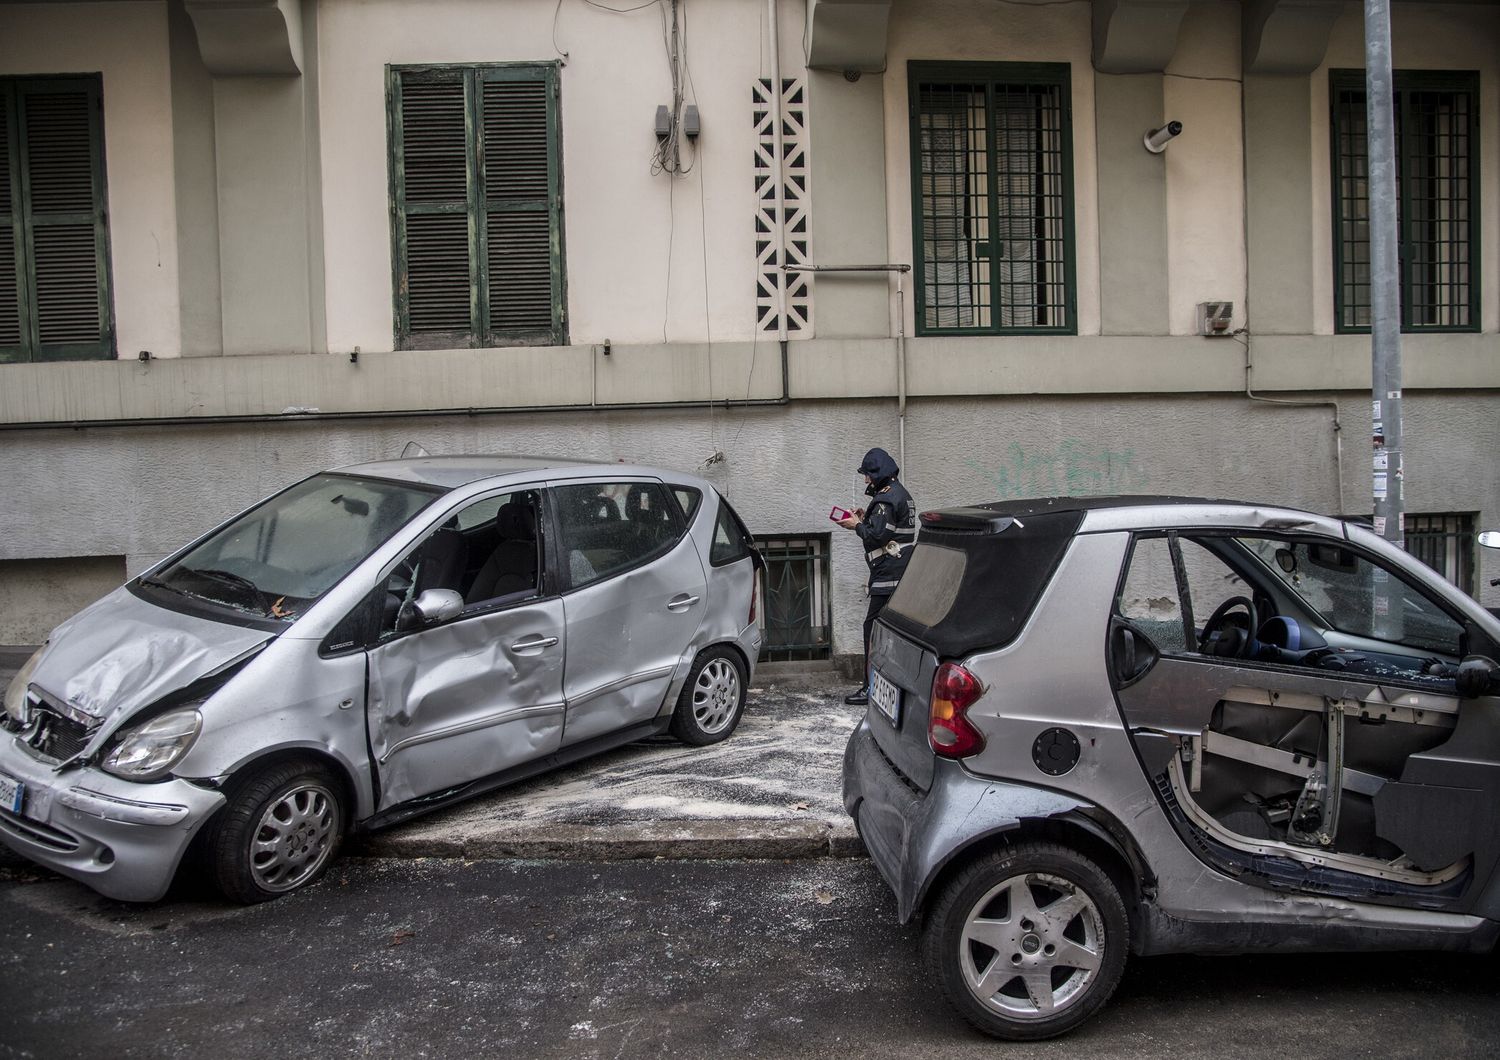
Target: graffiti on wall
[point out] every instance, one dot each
(1071, 468)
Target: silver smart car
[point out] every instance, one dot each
(1155, 726)
(369, 644)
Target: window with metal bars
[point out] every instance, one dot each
(992, 198)
(1444, 541)
(54, 246)
(1437, 199)
(792, 598)
(476, 194)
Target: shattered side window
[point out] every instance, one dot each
(1149, 597)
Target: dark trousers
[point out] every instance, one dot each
(877, 605)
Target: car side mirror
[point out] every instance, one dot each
(1477, 676)
(430, 608)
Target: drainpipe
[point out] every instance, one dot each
(900, 271)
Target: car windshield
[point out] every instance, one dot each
(283, 554)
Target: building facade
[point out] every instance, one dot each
(244, 240)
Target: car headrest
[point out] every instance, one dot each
(516, 521)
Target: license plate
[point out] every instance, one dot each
(886, 696)
(12, 794)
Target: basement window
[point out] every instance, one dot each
(792, 604)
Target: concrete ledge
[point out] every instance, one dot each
(299, 386)
(677, 840)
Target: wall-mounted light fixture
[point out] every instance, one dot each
(1156, 139)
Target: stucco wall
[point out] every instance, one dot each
(127, 44)
(626, 229)
(1205, 166)
(147, 493)
(37, 594)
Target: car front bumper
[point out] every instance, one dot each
(121, 838)
(912, 834)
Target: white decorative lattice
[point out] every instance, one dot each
(796, 206)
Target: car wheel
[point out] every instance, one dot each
(278, 832)
(1028, 942)
(712, 699)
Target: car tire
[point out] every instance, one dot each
(712, 699)
(1028, 941)
(278, 832)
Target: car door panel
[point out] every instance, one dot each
(626, 637)
(466, 699)
(1331, 770)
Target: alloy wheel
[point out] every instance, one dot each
(716, 696)
(1031, 946)
(294, 837)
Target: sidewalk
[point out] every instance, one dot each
(769, 791)
(772, 790)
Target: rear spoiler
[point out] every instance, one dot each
(969, 521)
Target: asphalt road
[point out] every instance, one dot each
(447, 958)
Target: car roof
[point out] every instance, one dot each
(450, 472)
(1124, 512)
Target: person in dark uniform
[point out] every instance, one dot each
(887, 530)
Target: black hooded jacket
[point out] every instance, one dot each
(890, 517)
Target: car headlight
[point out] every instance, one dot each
(15, 693)
(147, 752)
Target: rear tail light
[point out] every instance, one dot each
(949, 730)
(754, 592)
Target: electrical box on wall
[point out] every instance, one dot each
(1214, 318)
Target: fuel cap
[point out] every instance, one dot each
(1055, 752)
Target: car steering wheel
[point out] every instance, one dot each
(1216, 630)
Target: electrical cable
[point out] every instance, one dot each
(556, 11)
(1206, 77)
(620, 10)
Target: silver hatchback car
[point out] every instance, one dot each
(369, 644)
(1154, 726)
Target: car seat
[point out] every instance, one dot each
(511, 568)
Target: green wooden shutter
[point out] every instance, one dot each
(63, 191)
(54, 244)
(476, 197)
(10, 228)
(522, 237)
(435, 278)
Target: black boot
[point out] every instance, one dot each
(859, 697)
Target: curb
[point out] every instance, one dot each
(673, 840)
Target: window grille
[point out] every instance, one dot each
(1446, 544)
(1437, 179)
(992, 184)
(792, 598)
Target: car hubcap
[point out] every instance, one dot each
(716, 696)
(294, 838)
(1031, 946)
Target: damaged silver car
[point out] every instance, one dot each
(370, 644)
(1134, 725)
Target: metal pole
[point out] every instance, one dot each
(1385, 302)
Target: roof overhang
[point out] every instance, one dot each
(847, 34)
(249, 38)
